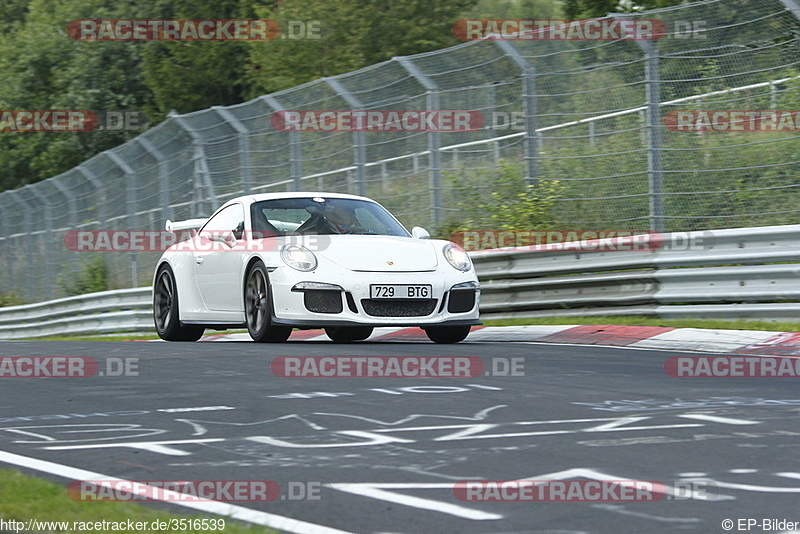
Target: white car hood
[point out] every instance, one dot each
(381, 253)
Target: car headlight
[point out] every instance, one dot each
(298, 257)
(457, 257)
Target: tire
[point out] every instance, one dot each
(258, 308)
(447, 334)
(346, 334)
(166, 312)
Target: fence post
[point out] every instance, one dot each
(8, 248)
(295, 156)
(130, 177)
(100, 188)
(202, 175)
(48, 229)
(654, 161)
(529, 109)
(652, 131)
(358, 135)
(434, 138)
(163, 177)
(26, 218)
(244, 144)
(73, 214)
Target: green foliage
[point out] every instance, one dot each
(500, 199)
(92, 279)
(41, 68)
(9, 299)
(515, 9)
(187, 76)
(584, 9)
(355, 34)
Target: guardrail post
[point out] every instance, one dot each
(295, 155)
(358, 135)
(529, 108)
(244, 144)
(434, 138)
(130, 178)
(48, 229)
(163, 178)
(26, 218)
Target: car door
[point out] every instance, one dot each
(218, 260)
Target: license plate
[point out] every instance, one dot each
(400, 291)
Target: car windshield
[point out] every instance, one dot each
(323, 216)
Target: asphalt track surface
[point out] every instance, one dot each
(385, 453)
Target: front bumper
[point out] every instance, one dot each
(311, 300)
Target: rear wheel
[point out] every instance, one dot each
(447, 334)
(166, 312)
(258, 309)
(346, 334)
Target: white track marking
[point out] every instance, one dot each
(213, 507)
(378, 491)
(717, 419)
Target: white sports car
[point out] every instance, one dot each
(274, 262)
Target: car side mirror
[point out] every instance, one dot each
(419, 232)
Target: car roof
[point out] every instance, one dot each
(302, 194)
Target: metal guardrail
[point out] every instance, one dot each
(728, 274)
(123, 310)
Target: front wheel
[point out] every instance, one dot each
(166, 310)
(447, 334)
(258, 311)
(346, 334)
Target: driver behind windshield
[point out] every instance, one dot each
(342, 220)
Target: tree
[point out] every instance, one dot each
(587, 9)
(355, 34)
(41, 68)
(188, 76)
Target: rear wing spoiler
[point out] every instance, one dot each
(189, 224)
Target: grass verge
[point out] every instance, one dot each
(23, 498)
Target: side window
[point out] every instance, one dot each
(231, 219)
